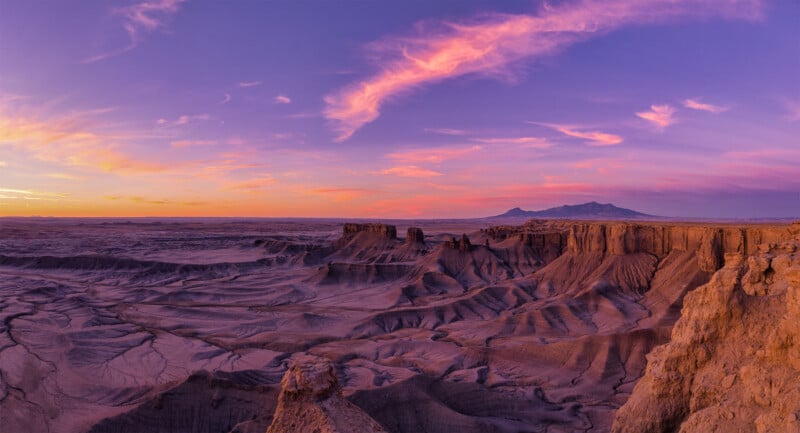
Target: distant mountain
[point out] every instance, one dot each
(591, 210)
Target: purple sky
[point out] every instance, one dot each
(448, 108)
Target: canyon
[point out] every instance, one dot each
(248, 325)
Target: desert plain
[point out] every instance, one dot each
(189, 325)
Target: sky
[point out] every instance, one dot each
(398, 109)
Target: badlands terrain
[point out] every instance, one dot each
(430, 326)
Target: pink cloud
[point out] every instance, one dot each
(695, 104)
(68, 140)
(140, 18)
(661, 115)
(244, 84)
(408, 171)
(254, 185)
(530, 142)
(491, 45)
(792, 111)
(596, 138)
(341, 194)
(191, 143)
(435, 156)
(283, 99)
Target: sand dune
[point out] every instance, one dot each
(189, 326)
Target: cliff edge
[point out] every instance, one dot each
(733, 363)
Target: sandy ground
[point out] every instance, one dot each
(186, 325)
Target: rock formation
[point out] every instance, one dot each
(463, 244)
(659, 239)
(311, 401)
(384, 230)
(733, 364)
(415, 236)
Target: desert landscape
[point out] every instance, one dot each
(350, 216)
(546, 326)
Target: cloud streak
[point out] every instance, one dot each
(660, 115)
(183, 120)
(696, 104)
(595, 138)
(67, 140)
(180, 144)
(433, 156)
(529, 142)
(139, 19)
(283, 99)
(409, 171)
(492, 44)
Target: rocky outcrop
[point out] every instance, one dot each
(733, 363)
(311, 401)
(709, 242)
(415, 236)
(463, 244)
(383, 230)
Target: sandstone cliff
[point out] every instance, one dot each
(383, 230)
(733, 364)
(710, 243)
(415, 236)
(311, 401)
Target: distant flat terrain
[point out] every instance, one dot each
(186, 325)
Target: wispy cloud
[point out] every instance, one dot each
(63, 176)
(595, 138)
(408, 171)
(183, 120)
(530, 142)
(792, 110)
(244, 84)
(225, 99)
(434, 156)
(308, 115)
(139, 19)
(447, 131)
(69, 140)
(152, 201)
(696, 104)
(283, 99)
(30, 194)
(254, 185)
(490, 45)
(661, 115)
(179, 144)
(341, 194)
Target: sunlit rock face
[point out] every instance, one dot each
(311, 400)
(201, 326)
(733, 362)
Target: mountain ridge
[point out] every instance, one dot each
(590, 209)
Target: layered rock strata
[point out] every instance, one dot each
(415, 236)
(710, 242)
(733, 363)
(383, 230)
